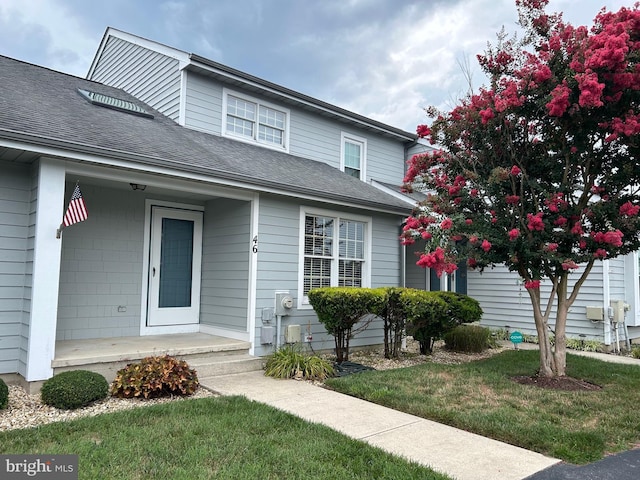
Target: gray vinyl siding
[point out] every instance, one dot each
(415, 275)
(319, 139)
(278, 263)
(226, 247)
(505, 302)
(150, 76)
(15, 205)
(101, 267)
(310, 136)
(617, 279)
(203, 104)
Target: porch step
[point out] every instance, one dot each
(208, 355)
(215, 366)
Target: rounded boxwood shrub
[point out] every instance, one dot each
(74, 389)
(468, 339)
(4, 395)
(153, 377)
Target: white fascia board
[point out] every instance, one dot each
(168, 172)
(394, 193)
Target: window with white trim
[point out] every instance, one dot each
(353, 155)
(334, 252)
(252, 120)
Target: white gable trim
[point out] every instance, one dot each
(181, 56)
(394, 193)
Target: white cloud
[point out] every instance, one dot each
(49, 30)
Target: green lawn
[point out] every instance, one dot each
(578, 427)
(224, 437)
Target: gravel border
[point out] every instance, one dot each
(27, 410)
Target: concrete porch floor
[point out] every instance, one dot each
(70, 353)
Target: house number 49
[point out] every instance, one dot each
(254, 248)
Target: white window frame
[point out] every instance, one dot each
(226, 93)
(347, 137)
(303, 300)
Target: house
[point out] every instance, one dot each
(215, 201)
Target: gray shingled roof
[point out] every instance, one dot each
(42, 107)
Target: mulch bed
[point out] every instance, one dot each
(557, 383)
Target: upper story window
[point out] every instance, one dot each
(252, 120)
(353, 155)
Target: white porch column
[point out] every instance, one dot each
(49, 209)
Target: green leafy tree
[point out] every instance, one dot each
(539, 171)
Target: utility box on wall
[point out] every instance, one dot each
(293, 334)
(266, 335)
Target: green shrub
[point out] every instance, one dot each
(74, 389)
(635, 352)
(428, 317)
(339, 309)
(290, 362)
(462, 308)
(155, 377)
(468, 339)
(4, 395)
(392, 311)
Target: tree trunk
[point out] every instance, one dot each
(553, 360)
(547, 359)
(560, 353)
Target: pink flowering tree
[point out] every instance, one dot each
(539, 171)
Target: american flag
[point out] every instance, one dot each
(77, 210)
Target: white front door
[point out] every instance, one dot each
(174, 267)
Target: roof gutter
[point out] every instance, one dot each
(69, 148)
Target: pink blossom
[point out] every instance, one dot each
(614, 238)
(551, 247)
(582, 244)
(560, 221)
(515, 170)
(559, 101)
(629, 209)
(486, 245)
(426, 235)
(569, 265)
(446, 224)
(468, 221)
(532, 284)
(600, 253)
(473, 192)
(473, 238)
(472, 263)
(590, 90)
(513, 234)
(534, 222)
(423, 131)
(512, 199)
(577, 229)
(486, 115)
(407, 241)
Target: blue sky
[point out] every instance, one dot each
(387, 59)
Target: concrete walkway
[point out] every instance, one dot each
(457, 453)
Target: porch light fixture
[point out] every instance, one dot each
(137, 186)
